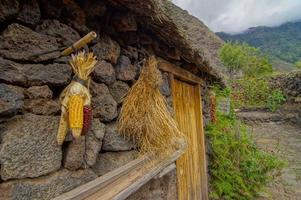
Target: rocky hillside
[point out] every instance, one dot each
(282, 43)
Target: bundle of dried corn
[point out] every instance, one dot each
(144, 115)
(76, 98)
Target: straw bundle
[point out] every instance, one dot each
(76, 97)
(144, 115)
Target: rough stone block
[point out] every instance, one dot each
(107, 49)
(21, 43)
(42, 106)
(30, 12)
(104, 73)
(34, 74)
(114, 141)
(45, 187)
(74, 156)
(119, 90)
(125, 70)
(164, 188)
(94, 141)
(165, 88)
(109, 161)
(11, 100)
(103, 104)
(29, 147)
(36, 92)
(64, 33)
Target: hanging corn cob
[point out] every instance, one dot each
(76, 98)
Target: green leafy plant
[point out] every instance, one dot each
(221, 92)
(237, 168)
(275, 99)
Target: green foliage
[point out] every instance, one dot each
(250, 92)
(236, 56)
(238, 170)
(226, 92)
(298, 64)
(256, 92)
(283, 42)
(275, 99)
(233, 56)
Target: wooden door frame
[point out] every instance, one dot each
(178, 73)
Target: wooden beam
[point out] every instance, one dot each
(166, 170)
(147, 176)
(178, 72)
(91, 187)
(124, 181)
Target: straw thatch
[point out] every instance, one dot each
(196, 43)
(144, 115)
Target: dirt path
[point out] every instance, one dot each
(284, 140)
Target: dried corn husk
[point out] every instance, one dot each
(76, 95)
(144, 115)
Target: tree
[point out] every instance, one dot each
(250, 60)
(233, 57)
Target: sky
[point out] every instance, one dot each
(235, 16)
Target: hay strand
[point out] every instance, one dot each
(144, 115)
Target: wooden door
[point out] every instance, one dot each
(191, 166)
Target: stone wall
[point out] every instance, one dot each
(290, 84)
(159, 188)
(33, 166)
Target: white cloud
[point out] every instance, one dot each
(235, 16)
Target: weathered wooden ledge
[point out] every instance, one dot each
(123, 181)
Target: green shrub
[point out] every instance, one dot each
(250, 92)
(275, 99)
(238, 170)
(255, 92)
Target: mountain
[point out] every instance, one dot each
(282, 43)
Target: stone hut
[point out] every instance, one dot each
(33, 166)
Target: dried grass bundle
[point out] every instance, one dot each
(144, 115)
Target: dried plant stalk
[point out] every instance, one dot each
(144, 115)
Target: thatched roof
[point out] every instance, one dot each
(179, 29)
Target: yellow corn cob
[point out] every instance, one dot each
(63, 128)
(76, 114)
